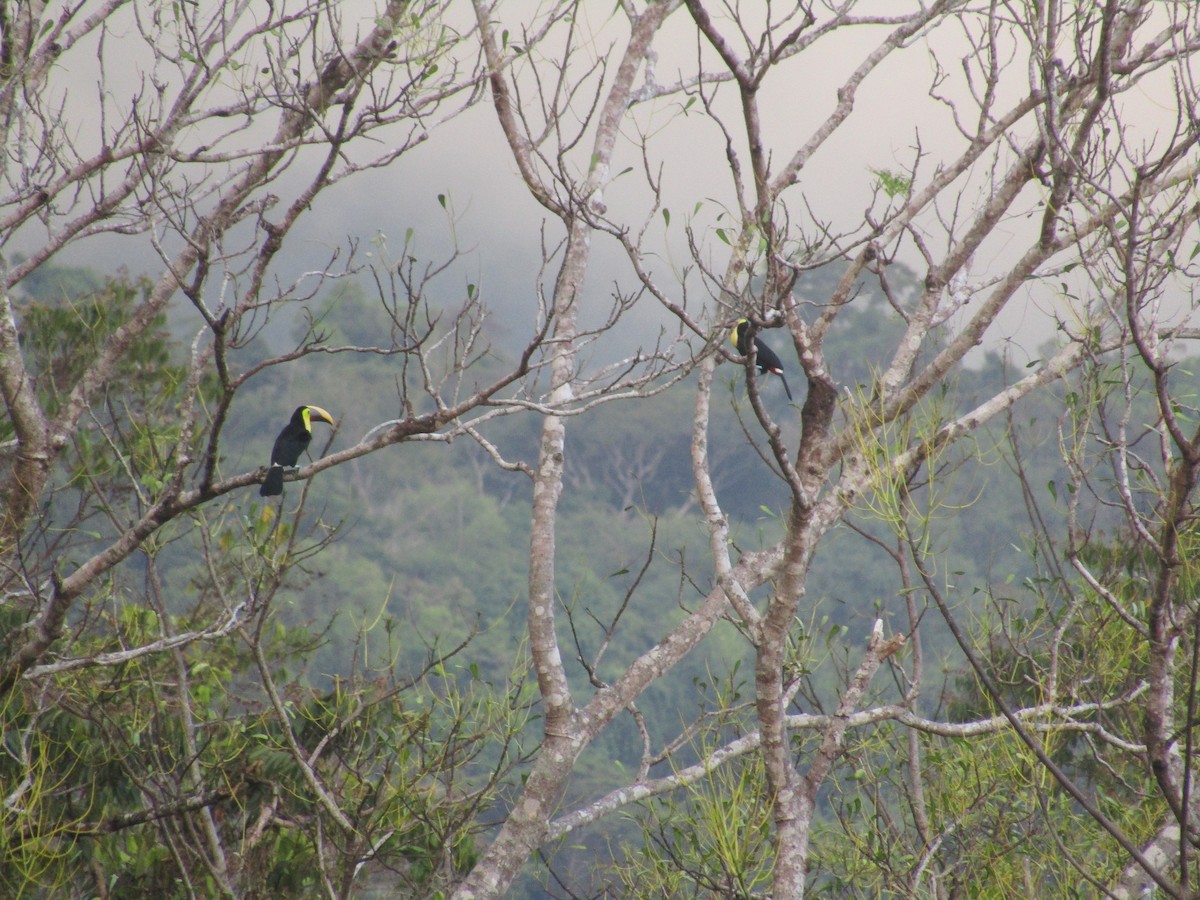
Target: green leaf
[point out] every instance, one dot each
(894, 184)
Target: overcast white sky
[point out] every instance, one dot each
(499, 225)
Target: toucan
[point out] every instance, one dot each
(764, 356)
(292, 441)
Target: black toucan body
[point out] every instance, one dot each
(764, 356)
(292, 441)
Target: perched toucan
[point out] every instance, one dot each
(292, 441)
(764, 356)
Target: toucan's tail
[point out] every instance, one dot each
(787, 390)
(273, 484)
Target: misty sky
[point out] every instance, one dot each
(499, 226)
